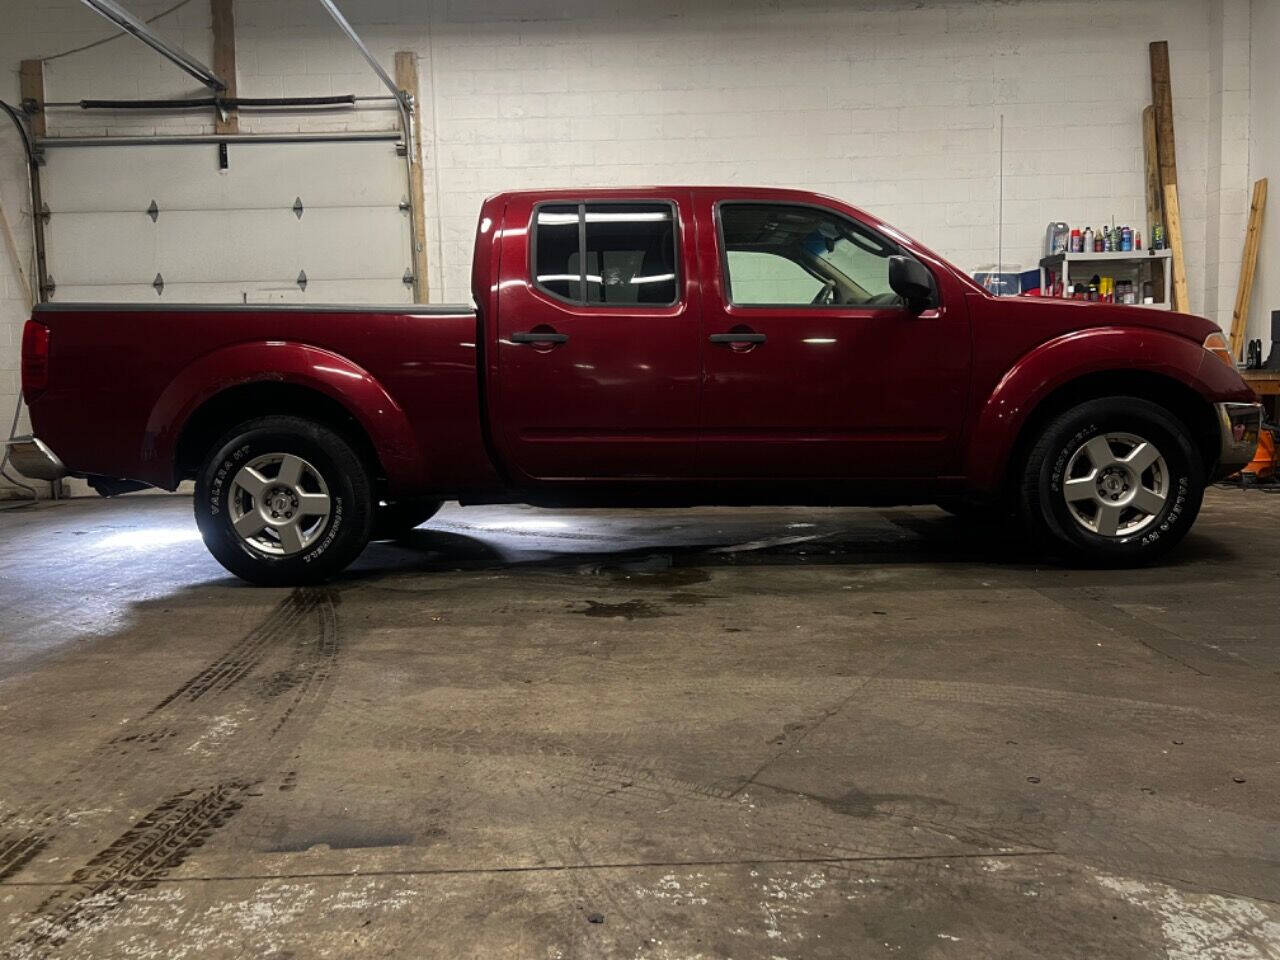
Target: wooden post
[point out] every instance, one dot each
(1162, 101)
(1248, 267)
(407, 80)
(1155, 199)
(224, 61)
(1174, 227)
(32, 77)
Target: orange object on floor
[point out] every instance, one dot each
(1263, 464)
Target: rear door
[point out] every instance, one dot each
(597, 352)
(813, 366)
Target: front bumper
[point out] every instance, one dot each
(33, 459)
(1239, 425)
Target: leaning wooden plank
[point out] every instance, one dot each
(1174, 227)
(1162, 101)
(407, 80)
(1155, 202)
(1248, 267)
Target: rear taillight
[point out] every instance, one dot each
(35, 358)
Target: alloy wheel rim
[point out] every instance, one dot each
(279, 504)
(1116, 484)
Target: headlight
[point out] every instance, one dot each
(1216, 344)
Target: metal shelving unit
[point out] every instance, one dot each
(1139, 266)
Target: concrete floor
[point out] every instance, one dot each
(712, 733)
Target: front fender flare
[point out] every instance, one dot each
(301, 364)
(1057, 362)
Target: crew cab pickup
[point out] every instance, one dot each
(655, 346)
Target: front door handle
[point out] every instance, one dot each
(738, 338)
(534, 336)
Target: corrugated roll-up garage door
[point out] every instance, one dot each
(289, 222)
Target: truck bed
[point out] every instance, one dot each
(125, 378)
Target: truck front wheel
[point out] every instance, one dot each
(1114, 481)
(283, 501)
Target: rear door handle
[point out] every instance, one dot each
(738, 338)
(533, 337)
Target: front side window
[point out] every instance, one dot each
(781, 255)
(607, 254)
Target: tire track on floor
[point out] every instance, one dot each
(260, 725)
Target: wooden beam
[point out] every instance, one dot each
(1248, 267)
(1155, 199)
(1162, 101)
(1174, 228)
(224, 61)
(407, 81)
(32, 75)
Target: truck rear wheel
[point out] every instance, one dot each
(283, 501)
(1115, 481)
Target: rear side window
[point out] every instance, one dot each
(607, 254)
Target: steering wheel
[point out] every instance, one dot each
(821, 297)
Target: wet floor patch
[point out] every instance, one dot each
(626, 610)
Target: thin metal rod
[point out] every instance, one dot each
(1000, 215)
(354, 37)
(240, 103)
(130, 24)
(179, 139)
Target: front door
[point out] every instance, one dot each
(813, 366)
(598, 342)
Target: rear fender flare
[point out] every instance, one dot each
(300, 364)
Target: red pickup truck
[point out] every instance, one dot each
(655, 346)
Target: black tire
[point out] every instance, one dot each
(1043, 501)
(332, 541)
(392, 520)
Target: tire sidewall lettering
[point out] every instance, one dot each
(1058, 471)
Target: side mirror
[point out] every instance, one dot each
(909, 279)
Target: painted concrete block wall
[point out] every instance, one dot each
(894, 106)
(1264, 160)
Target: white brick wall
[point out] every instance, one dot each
(894, 106)
(1264, 159)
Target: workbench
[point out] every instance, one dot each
(1265, 383)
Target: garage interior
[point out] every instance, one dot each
(712, 732)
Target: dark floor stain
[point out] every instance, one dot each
(789, 731)
(689, 599)
(856, 803)
(658, 571)
(348, 836)
(627, 610)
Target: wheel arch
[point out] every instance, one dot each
(1181, 400)
(245, 401)
(242, 382)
